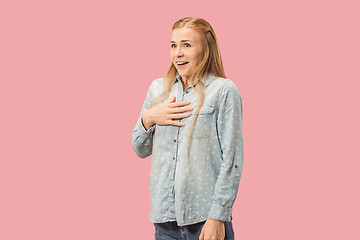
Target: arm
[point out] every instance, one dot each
(162, 114)
(142, 139)
(229, 126)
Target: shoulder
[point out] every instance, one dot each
(157, 86)
(225, 85)
(157, 83)
(228, 93)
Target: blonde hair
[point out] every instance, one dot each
(210, 64)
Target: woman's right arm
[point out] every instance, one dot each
(162, 114)
(141, 137)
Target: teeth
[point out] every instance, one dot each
(181, 63)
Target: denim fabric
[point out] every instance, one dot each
(170, 230)
(191, 189)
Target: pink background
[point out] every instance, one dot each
(74, 75)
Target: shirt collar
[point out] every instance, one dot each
(209, 78)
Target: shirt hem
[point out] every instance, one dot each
(184, 223)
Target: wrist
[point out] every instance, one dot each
(147, 123)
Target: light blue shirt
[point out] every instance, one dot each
(205, 184)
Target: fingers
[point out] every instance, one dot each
(179, 104)
(174, 104)
(179, 124)
(172, 99)
(180, 115)
(201, 237)
(182, 109)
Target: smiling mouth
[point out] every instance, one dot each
(181, 63)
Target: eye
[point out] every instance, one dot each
(187, 45)
(173, 45)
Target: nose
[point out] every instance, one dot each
(179, 53)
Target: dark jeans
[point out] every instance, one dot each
(170, 230)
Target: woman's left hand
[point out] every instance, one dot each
(213, 229)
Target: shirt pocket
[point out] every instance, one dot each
(203, 122)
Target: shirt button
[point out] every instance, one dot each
(173, 158)
(174, 140)
(187, 91)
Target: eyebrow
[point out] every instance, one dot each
(182, 41)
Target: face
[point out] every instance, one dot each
(186, 50)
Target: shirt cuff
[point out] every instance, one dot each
(220, 213)
(142, 132)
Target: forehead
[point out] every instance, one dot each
(185, 33)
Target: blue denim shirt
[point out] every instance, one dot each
(191, 189)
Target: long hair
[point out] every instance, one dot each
(210, 64)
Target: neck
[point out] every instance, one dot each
(185, 82)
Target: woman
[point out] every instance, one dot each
(191, 123)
